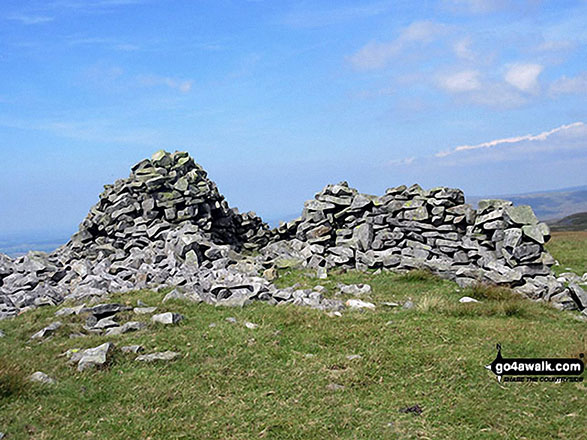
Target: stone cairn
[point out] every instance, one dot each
(168, 225)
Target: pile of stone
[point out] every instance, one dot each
(168, 225)
(163, 225)
(161, 193)
(411, 228)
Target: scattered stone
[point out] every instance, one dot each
(66, 311)
(416, 409)
(132, 348)
(175, 295)
(94, 357)
(2, 334)
(159, 356)
(334, 387)
(105, 323)
(168, 318)
(355, 289)
(212, 325)
(408, 305)
(251, 325)
(357, 304)
(390, 304)
(47, 331)
(131, 326)
(322, 273)
(468, 299)
(144, 310)
(41, 377)
(352, 357)
(231, 320)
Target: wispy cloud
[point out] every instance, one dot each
(31, 19)
(406, 161)
(464, 81)
(569, 138)
(524, 76)
(375, 55)
(512, 140)
(576, 85)
(184, 86)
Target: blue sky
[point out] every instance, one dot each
(278, 98)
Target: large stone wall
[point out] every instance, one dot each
(435, 229)
(167, 224)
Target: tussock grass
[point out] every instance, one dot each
(13, 380)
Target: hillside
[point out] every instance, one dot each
(547, 205)
(574, 222)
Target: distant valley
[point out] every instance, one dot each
(548, 205)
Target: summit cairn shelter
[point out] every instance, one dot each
(168, 225)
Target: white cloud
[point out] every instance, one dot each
(31, 19)
(462, 49)
(464, 81)
(183, 86)
(573, 85)
(375, 55)
(514, 140)
(524, 76)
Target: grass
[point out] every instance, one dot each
(275, 381)
(570, 249)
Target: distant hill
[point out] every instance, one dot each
(574, 222)
(548, 205)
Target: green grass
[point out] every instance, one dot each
(236, 383)
(570, 249)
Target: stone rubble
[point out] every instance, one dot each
(167, 225)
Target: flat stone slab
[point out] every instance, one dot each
(144, 310)
(158, 356)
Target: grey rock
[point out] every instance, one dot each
(96, 357)
(408, 305)
(144, 310)
(357, 304)
(168, 318)
(47, 331)
(66, 311)
(41, 377)
(132, 349)
(579, 296)
(125, 328)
